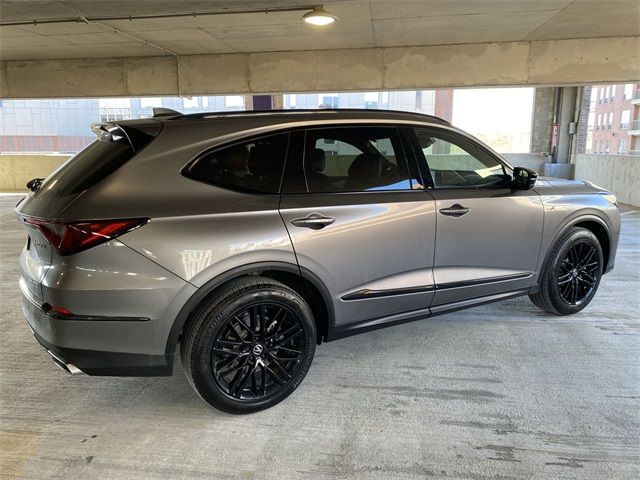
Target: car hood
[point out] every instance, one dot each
(561, 185)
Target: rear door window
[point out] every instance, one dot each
(354, 159)
(253, 165)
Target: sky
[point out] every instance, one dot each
(506, 110)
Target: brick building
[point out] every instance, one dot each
(613, 117)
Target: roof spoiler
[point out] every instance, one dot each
(165, 112)
(135, 133)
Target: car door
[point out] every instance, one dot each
(488, 233)
(360, 221)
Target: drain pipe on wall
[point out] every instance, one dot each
(141, 40)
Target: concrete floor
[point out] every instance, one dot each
(497, 392)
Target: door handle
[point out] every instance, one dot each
(315, 221)
(455, 210)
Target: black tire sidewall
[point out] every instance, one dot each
(580, 235)
(201, 354)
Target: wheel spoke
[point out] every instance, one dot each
(587, 258)
(235, 322)
(263, 380)
(229, 343)
(243, 370)
(280, 368)
(234, 368)
(275, 376)
(562, 279)
(240, 381)
(263, 319)
(277, 320)
(290, 350)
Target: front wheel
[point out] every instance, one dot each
(250, 347)
(572, 273)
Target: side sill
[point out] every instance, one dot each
(474, 302)
(350, 329)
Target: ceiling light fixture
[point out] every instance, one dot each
(319, 16)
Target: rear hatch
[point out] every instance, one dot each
(42, 211)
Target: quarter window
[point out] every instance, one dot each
(355, 159)
(456, 163)
(254, 165)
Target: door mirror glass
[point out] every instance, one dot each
(523, 178)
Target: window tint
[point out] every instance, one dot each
(454, 163)
(86, 168)
(354, 159)
(254, 165)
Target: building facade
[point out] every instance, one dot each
(613, 112)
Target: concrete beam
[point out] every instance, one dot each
(561, 62)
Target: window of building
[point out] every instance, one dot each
(599, 124)
(204, 101)
(254, 165)
(114, 114)
(371, 100)
(607, 93)
(606, 147)
(610, 122)
(625, 118)
(622, 147)
(454, 163)
(292, 101)
(601, 94)
(151, 102)
(628, 91)
(354, 159)
(234, 102)
(613, 92)
(190, 102)
(329, 100)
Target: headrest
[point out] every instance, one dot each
(366, 166)
(317, 160)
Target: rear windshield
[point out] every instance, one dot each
(86, 168)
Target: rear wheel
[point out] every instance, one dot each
(249, 348)
(571, 276)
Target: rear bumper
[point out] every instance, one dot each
(58, 335)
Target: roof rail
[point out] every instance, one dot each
(165, 112)
(302, 111)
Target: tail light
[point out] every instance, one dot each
(73, 237)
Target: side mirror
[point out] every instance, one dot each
(523, 178)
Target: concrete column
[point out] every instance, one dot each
(567, 125)
(564, 130)
(542, 121)
(583, 120)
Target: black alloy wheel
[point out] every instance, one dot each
(578, 272)
(571, 274)
(249, 345)
(257, 351)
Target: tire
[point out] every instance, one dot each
(249, 346)
(571, 274)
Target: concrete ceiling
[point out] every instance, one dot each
(363, 24)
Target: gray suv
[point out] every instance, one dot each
(244, 240)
